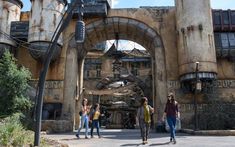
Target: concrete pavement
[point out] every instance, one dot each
(131, 138)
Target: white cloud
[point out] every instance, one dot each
(114, 3)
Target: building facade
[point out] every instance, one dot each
(117, 85)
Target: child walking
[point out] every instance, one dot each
(95, 120)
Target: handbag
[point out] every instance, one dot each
(177, 125)
(80, 113)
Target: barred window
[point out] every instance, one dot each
(231, 37)
(217, 40)
(224, 39)
(225, 17)
(217, 18)
(233, 17)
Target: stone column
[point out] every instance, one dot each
(71, 71)
(195, 39)
(160, 82)
(10, 11)
(154, 87)
(80, 91)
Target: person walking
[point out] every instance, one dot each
(171, 113)
(95, 114)
(144, 119)
(84, 118)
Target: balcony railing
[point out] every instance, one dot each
(223, 20)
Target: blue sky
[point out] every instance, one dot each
(215, 4)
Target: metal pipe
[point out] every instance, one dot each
(195, 100)
(43, 73)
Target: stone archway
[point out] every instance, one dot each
(128, 29)
(130, 78)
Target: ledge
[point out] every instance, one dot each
(57, 126)
(210, 132)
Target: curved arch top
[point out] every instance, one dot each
(126, 28)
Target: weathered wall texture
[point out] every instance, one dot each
(8, 12)
(44, 19)
(195, 36)
(168, 34)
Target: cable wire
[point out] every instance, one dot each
(22, 43)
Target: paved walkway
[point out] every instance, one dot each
(131, 138)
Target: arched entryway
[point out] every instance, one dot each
(106, 29)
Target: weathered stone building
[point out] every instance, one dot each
(175, 37)
(117, 83)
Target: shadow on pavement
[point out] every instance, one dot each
(118, 135)
(132, 144)
(72, 139)
(159, 144)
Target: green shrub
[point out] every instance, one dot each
(12, 133)
(14, 84)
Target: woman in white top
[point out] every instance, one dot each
(84, 118)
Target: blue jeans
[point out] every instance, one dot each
(171, 122)
(95, 123)
(84, 121)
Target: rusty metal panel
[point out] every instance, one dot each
(45, 17)
(108, 2)
(93, 10)
(99, 9)
(9, 12)
(20, 29)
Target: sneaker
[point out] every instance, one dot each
(86, 137)
(77, 135)
(174, 141)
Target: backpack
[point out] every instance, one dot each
(91, 116)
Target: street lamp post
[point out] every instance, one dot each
(197, 89)
(41, 83)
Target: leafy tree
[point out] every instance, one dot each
(13, 86)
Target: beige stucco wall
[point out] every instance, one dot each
(168, 34)
(226, 77)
